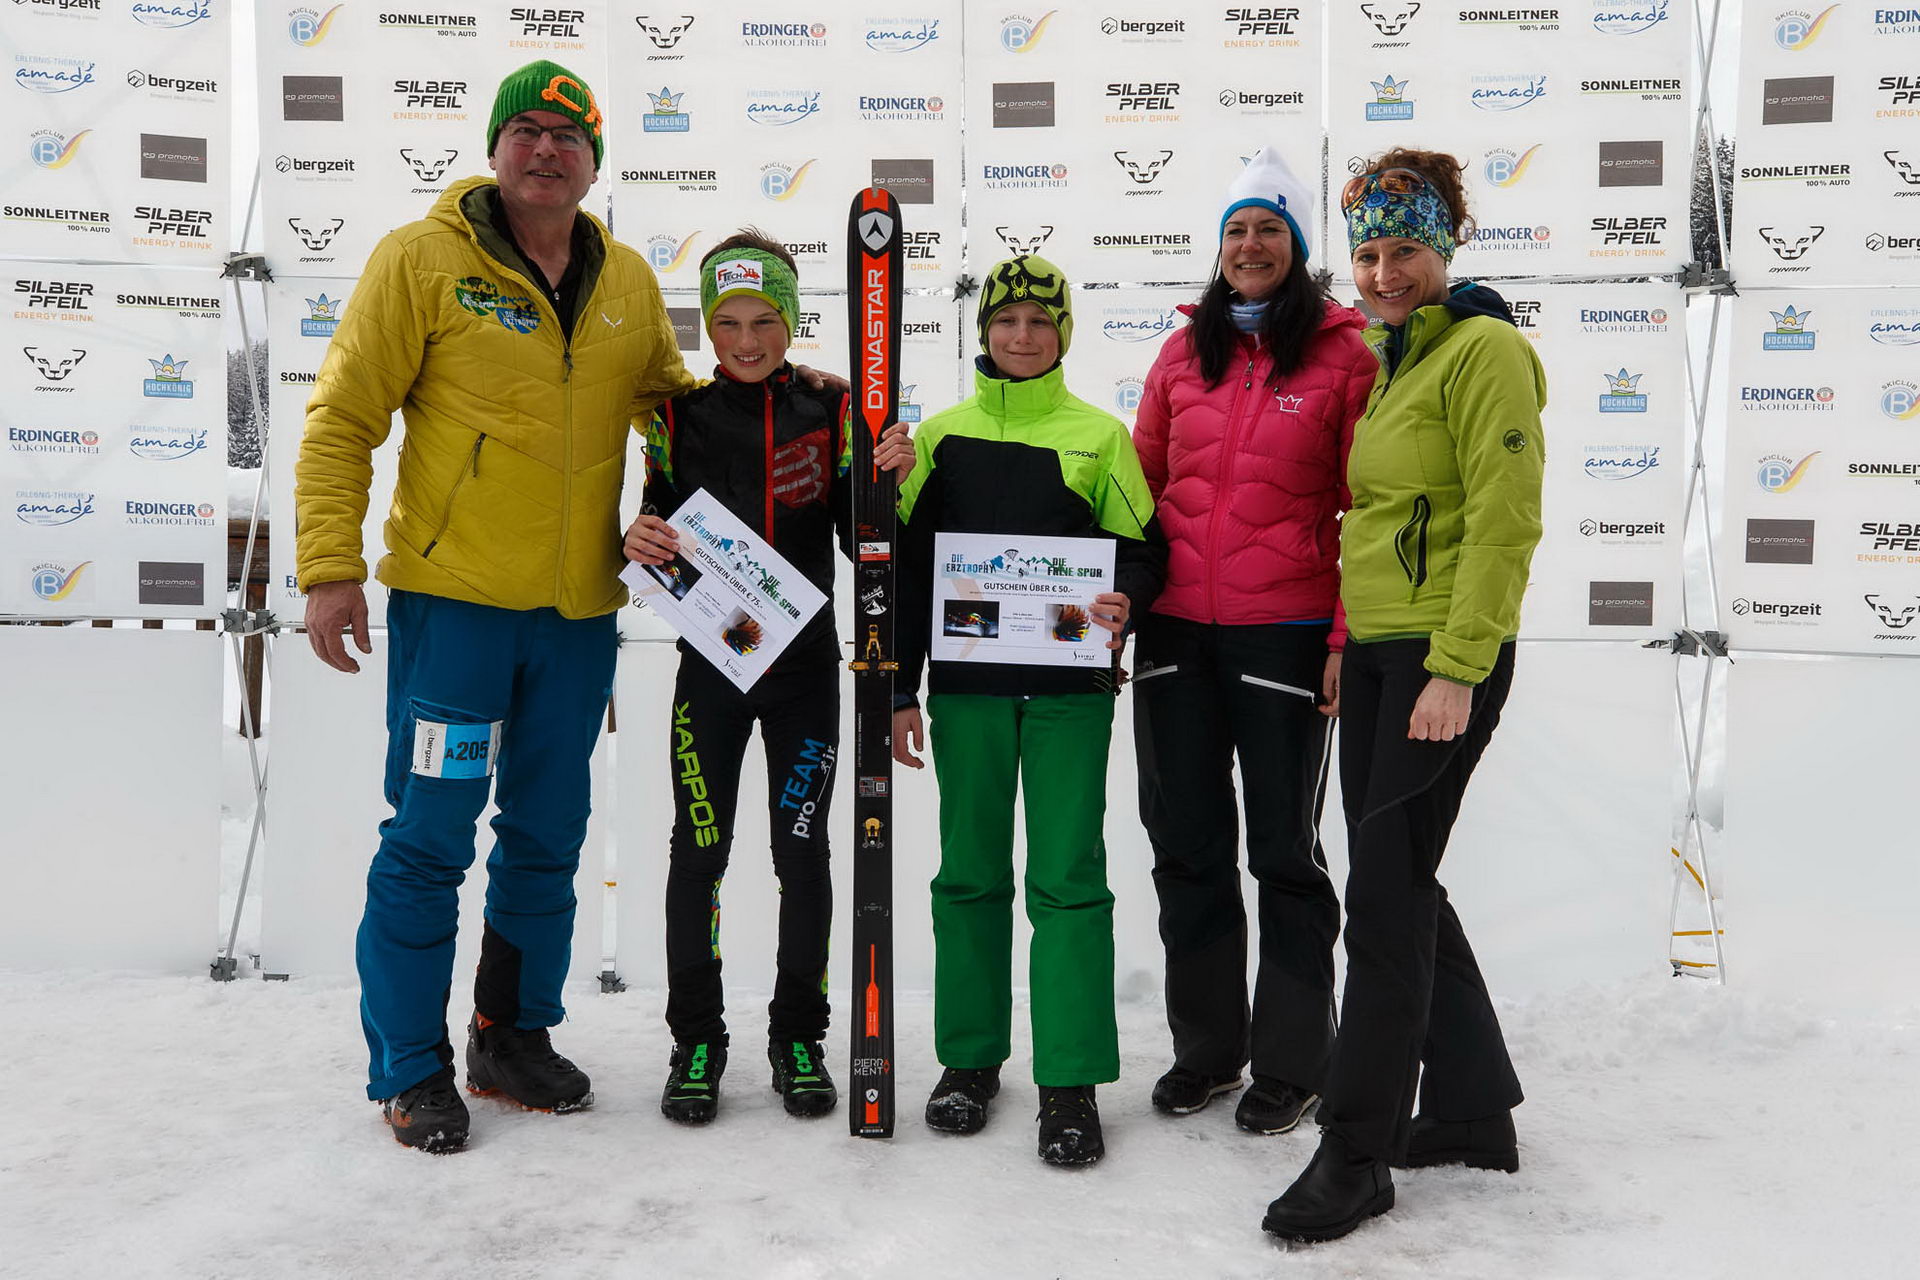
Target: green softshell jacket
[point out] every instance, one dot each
(1020, 458)
(1445, 474)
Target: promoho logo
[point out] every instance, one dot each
(308, 27)
(1900, 400)
(1020, 34)
(1796, 29)
(1504, 168)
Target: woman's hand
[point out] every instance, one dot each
(1110, 612)
(651, 540)
(1330, 686)
(1440, 713)
(895, 452)
(908, 729)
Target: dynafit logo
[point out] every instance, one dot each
(1021, 241)
(429, 165)
(1390, 17)
(1778, 473)
(664, 33)
(1797, 29)
(666, 253)
(308, 27)
(1021, 34)
(51, 150)
(1143, 168)
(781, 181)
(1505, 168)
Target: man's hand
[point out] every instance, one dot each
(333, 607)
(816, 379)
(1440, 713)
(895, 453)
(1110, 612)
(1330, 687)
(909, 729)
(651, 540)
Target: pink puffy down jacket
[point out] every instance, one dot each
(1249, 480)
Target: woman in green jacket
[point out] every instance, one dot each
(1445, 474)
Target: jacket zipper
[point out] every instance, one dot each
(1414, 566)
(766, 410)
(1226, 488)
(446, 514)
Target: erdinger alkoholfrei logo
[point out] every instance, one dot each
(1504, 168)
(1790, 332)
(1021, 241)
(1506, 92)
(1900, 400)
(1629, 17)
(1390, 101)
(781, 181)
(1143, 168)
(307, 27)
(429, 165)
(900, 35)
(1021, 34)
(1796, 29)
(162, 14)
(1778, 473)
(1390, 17)
(169, 380)
(322, 318)
(53, 75)
(54, 365)
(666, 116)
(1623, 394)
(52, 150)
(669, 253)
(664, 32)
(1790, 244)
(316, 233)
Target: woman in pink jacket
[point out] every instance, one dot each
(1243, 432)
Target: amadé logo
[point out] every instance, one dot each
(1619, 461)
(901, 35)
(171, 15)
(53, 75)
(779, 107)
(1629, 17)
(1506, 92)
(1138, 324)
(163, 445)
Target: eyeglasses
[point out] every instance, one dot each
(565, 136)
(1394, 182)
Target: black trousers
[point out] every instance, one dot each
(799, 714)
(1204, 694)
(1414, 993)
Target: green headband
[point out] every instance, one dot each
(751, 273)
(1028, 279)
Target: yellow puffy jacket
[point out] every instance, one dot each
(515, 443)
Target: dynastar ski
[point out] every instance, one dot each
(873, 327)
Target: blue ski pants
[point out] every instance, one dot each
(480, 701)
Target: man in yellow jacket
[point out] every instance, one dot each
(518, 340)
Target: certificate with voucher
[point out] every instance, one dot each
(1004, 598)
(735, 602)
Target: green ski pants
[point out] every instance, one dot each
(1055, 747)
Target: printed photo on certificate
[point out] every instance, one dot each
(733, 600)
(1028, 600)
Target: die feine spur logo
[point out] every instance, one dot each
(483, 298)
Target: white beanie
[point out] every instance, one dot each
(1267, 183)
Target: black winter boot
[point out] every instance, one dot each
(1070, 1126)
(1337, 1191)
(523, 1067)
(800, 1077)
(430, 1116)
(958, 1103)
(692, 1095)
(1181, 1092)
(1273, 1106)
(1487, 1143)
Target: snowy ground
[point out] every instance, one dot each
(172, 1127)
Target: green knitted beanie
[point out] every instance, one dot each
(547, 86)
(1028, 279)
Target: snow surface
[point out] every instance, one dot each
(173, 1127)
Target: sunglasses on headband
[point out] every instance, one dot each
(1394, 182)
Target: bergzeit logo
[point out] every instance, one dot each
(1506, 92)
(169, 380)
(1623, 394)
(1284, 102)
(1390, 101)
(308, 169)
(901, 35)
(171, 15)
(1622, 533)
(39, 74)
(161, 86)
(1505, 168)
(50, 149)
(1778, 473)
(63, 440)
(1619, 461)
(50, 508)
(164, 444)
(1798, 613)
(1144, 30)
(322, 318)
(1790, 332)
(1894, 246)
(1796, 29)
(1021, 34)
(1629, 17)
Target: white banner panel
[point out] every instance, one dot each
(120, 134)
(110, 798)
(114, 389)
(368, 112)
(1104, 138)
(329, 759)
(1828, 185)
(1117, 335)
(1819, 880)
(1820, 552)
(742, 115)
(301, 317)
(1572, 122)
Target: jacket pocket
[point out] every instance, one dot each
(446, 513)
(1410, 543)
